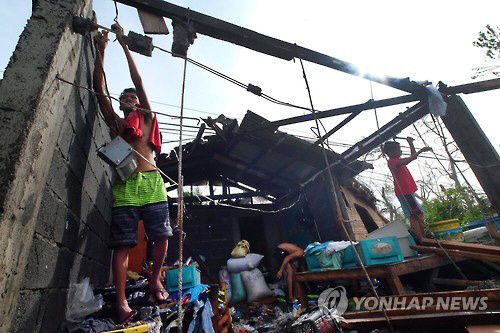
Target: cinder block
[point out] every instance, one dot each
(28, 315)
(48, 218)
(65, 140)
(77, 162)
(71, 232)
(56, 179)
(47, 265)
(54, 305)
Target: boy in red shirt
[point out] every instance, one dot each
(404, 185)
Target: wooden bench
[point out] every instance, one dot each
(389, 272)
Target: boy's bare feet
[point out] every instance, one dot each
(158, 292)
(125, 313)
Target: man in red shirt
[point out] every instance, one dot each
(404, 185)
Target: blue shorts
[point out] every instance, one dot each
(410, 205)
(142, 196)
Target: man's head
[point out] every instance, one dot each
(392, 149)
(128, 99)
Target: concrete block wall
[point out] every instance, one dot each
(55, 197)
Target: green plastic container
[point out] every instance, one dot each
(190, 277)
(377, 251)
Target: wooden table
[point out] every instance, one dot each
(390, 273)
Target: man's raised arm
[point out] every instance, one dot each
(111, 118)
(134, 72)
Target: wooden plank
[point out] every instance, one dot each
(401, 268)
(420, 263)
(458, 253)
(470, 88)
(346, 273)
(405, 311)
(395, 285)
(455, 282)
(152, 24)
(479, 248)
(232, 33)
(468, 135)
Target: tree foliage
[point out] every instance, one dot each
(489, 40)
(457, 202)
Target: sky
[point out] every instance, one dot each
(424, 40)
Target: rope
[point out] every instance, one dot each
(335, 203)
(179, 202)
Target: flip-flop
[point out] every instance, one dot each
(153, 294)
(130, 317)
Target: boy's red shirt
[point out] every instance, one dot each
(403, 180)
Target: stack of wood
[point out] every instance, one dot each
(221, 319)
(460, 250)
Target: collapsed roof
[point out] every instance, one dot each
(256, 158)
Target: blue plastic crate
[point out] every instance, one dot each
(380, 251)
(349, 259)
(312, 262)
(190, 277)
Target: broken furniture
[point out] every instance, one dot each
(460, 250)
(390, 273)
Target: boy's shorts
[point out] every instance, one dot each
(142, 196)
(410, 205)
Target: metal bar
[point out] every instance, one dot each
(471, 87)
(386, 132)
(336, 128)
(226, 196)
(226, 31)
(346, 109)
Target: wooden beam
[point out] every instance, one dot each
(475, 146)
(458, 253)
(226, 197)
(455, 282)
(371, 104)
(471, 87)
(222, 30)
(478, 248)
(409, 311)
(447, 320)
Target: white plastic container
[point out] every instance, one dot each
(477, 235)
(398, 229)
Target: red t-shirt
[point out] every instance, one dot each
(403, 181)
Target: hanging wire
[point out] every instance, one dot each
(180, 197)
(337, 205)
(254, 89)
(121, 103)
